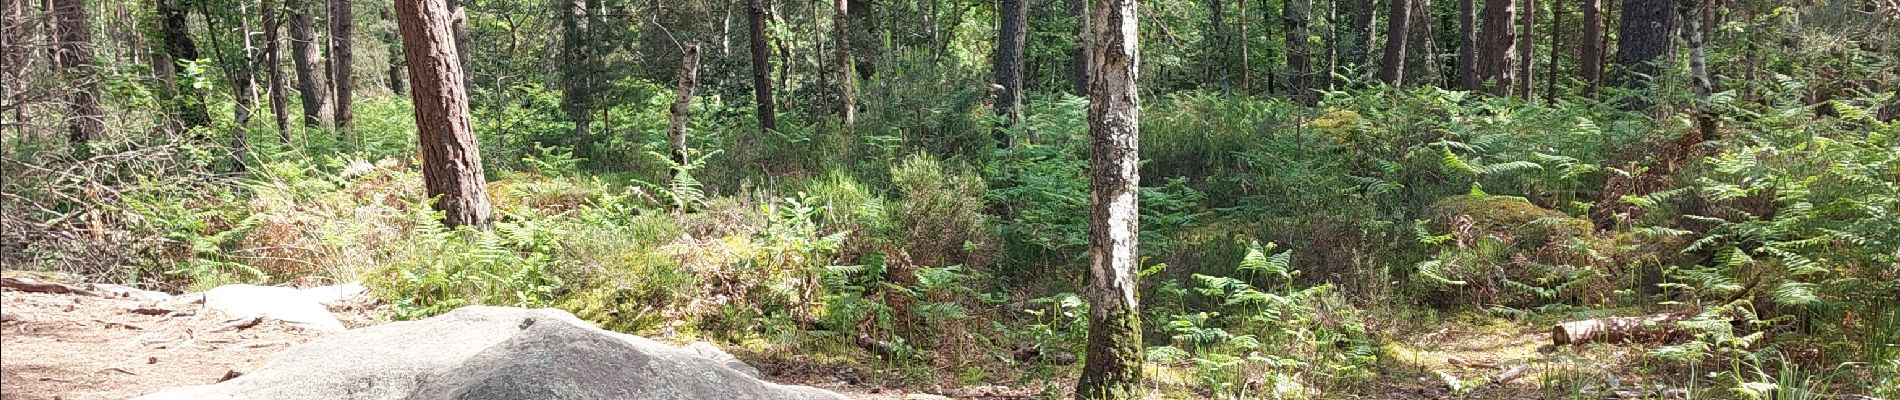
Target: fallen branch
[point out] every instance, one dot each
(240, 324)
(34, 286)
(1657, 328)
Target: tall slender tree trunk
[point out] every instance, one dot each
(273, 68)
(1499, 50)
(1556, 40)
(1359, 39)
(245, 86)
(1217, 53)
(1299, 56)
(1011, 35)
(72, 54)
(1392, 70)
(187, 101)
(342, 64)
(1643, 40)
(682, 104)
(313, 87)
(1325, 77)
(1421, 47)
(1527, 49)
(1113, 365)
(13, 61)
(451, 159)
(847, 78)
(1468, 76)
(1079, 61)
(394, 46)
(761, 66)
(1694, 13)
(1246, 60)
(577, 72)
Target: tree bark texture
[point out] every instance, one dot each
(1692, 12)
(1642, 40)
(1114, 360)
(394, 45)
(1079, 61)
(273, 68)
(1392, 70)
(72, 34)
(1295, 16)
(1012, 34)
(1468, 77)
(313, 86)
(1499, 49)
(761, 66)
(342, 63)
(451, 159)
(1590, 47)
(577, 72)
(842, 66)
(186, 100)
(683, 103)
(1526, 51)
(12, 59)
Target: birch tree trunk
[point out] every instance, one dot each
(682, 104)
(1113, 365)
(842, 66)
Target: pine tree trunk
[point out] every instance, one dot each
(1499, 50)
(1113, 366)
(1590, 50)
(577, 70)
(394, 46)
(761, 67)
(847, 79)
(1527, 49)
(1392, 70)
(1556, 39)
(13, 61)
(1246, 60)
(1079, 61)
(187, 101)
(1642, 40)
(1011, 35)
(451, 159)
(1421, 47)
(682, 104)
(273, 68)
(72, 55)
(1299, 58)
(313, 86)
(1468, 75)
(1217, 53)
(342, 64)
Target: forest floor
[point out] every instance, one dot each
(82, 347)
(87, 347)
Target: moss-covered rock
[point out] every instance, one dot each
(1507, 217)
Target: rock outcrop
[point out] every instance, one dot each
(484, 353)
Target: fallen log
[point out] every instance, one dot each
(1659, 328)
(35, 286)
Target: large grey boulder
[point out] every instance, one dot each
(492, 353)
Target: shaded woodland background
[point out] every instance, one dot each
(903, 186)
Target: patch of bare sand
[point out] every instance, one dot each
(79, 347)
